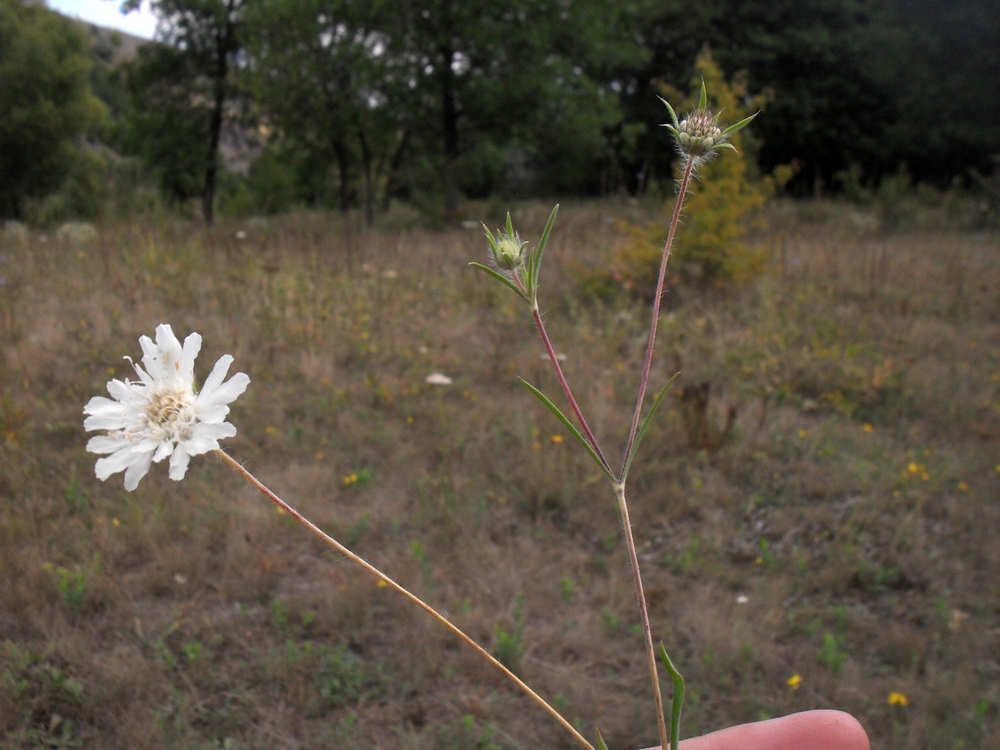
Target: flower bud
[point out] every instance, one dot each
(507, 252)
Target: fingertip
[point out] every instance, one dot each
(809, 730)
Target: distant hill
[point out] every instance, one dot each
(112, 46)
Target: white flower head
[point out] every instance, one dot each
(438, 378)
(162, 414)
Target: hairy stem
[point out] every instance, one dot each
(647, 633)
(566, 389)
(397, 587)
(644, 380)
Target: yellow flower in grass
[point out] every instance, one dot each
(897, 699)
(794, 681)
(556, 439)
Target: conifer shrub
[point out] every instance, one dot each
(723, 206)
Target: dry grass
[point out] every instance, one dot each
(853, 501)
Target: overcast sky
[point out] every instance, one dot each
(106, 13)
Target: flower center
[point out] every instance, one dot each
(172, 412)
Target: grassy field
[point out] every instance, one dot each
(816, 508)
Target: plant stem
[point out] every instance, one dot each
(397, 587)
(685, 181)
(647, 633)
(566, 389)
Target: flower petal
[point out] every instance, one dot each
(137, 471)
(151, 358)
(218, 375)
(178, 464)
(212, 406)
(206, 437)
(124, 458)
(106, 444)
(105, 415)
(163, 450)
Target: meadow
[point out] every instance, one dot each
(816, 506)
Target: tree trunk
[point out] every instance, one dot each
(211, 168)
(344, 168)
(224, 42)
(392, 180)
(366, 166)
(449, 111)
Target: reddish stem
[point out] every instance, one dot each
(566, 390)
(688, 169)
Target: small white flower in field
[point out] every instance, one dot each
(742, 599)
(437, 378)
(162, 414)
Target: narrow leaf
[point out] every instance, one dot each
(645, 426)
(535, 261)
(601, 744)
(678, 700)
(572, 429)
(703, 102)
(490, 236)
(510, 227)
(673, 115)
(501, 278)
(738, 126)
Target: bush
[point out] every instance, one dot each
(723, 205)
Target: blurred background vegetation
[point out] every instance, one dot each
(816, 511)
(260, 106)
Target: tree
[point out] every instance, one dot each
(320, 72)
(526, 70)
(181, 88)
(45, 98)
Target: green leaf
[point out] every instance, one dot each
(601, 744)
(573, 431)
(510, 227)
(703, 102)
(673, 115)
(678, 700)
(489, 236)
(738, 126)
(645, 426)
(501, 278)
(535, 259)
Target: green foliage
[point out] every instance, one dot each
(510, 646)
(180, 90)
(40, 697)
(832, 654)
(269, 188)
(722, 205)
(169, 122)
(336, 674)
(72, 586)
(466, 736)
(47, 103)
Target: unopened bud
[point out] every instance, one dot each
(508, 253)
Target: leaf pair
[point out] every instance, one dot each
(592, 449)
